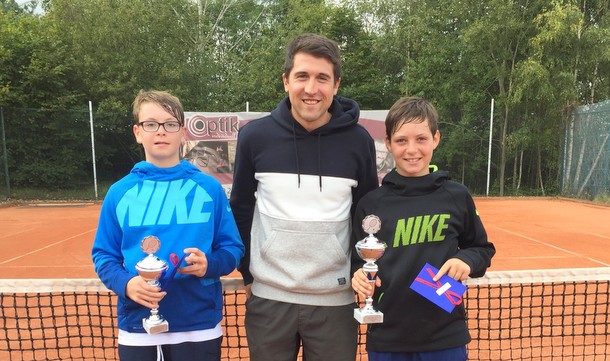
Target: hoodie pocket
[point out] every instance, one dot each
(303, 262)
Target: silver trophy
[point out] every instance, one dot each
(370, 249)
(151, 269)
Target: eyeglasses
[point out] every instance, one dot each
(150, 126)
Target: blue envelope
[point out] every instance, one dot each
(445, 293)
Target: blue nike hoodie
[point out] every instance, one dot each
(184, 208)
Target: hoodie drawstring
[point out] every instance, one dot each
(296, 154)
(319, 164)
(159, 353)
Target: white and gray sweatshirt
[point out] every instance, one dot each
(293, 196)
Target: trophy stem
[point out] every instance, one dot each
(154, 315)
(368, 304)
(370, 269)
(155, 323)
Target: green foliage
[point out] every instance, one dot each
(76, 192)
(11, 6)
(53, 154)
(536, 58)
(602, 198)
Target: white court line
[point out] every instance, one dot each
(597, 235)
(47, 246)
(552, 246)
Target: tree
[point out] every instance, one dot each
(501, 33)
(569, 49)
(538, 59)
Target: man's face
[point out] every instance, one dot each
(311, 87)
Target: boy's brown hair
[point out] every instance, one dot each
(164, 99)
(410, 110)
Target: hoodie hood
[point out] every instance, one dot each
(415, 186)
(150, 171)
(345, 112)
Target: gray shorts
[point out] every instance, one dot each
(276, 330)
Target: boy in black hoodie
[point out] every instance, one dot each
(425, 218)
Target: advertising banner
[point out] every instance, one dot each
(211, 139)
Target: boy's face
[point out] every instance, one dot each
(161, 147)
(311, 87)
(412, 146)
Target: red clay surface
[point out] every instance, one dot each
(50, 241)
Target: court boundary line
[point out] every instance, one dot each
(47, 246)
(553, 246)
(597, 235)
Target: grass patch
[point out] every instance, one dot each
(603, 198)
(76, 194)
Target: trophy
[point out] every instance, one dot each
(370, 249)
(151, 269)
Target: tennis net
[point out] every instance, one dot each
(541, 315)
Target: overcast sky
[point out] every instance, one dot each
(38, 8)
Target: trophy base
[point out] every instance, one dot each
(367, 316)
(155, 327)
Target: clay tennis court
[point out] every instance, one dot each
(54, 240)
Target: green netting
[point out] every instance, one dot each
(51, 150)
(586, 156)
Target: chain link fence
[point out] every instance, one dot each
(52, 150)
(586, 158)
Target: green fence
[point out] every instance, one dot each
(52, 150)
(586, 157)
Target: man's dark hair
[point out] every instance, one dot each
(316, 45)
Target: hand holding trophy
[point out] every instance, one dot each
(370, 249)
(151, 269)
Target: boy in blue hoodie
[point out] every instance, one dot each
(187, 213)
(425, 218)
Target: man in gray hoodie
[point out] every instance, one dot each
(298, 174)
